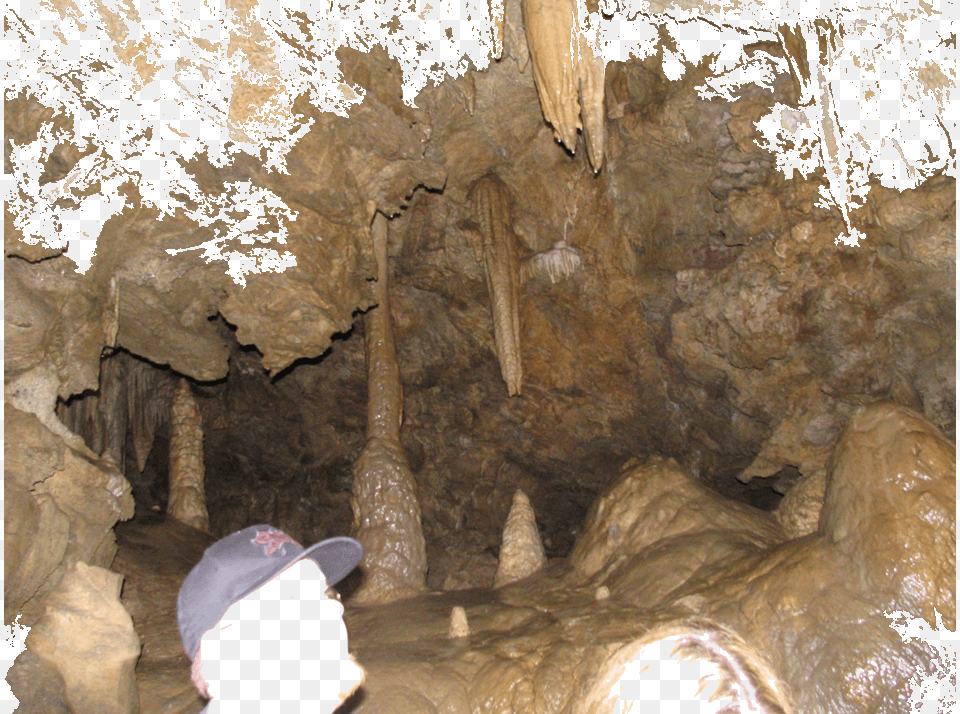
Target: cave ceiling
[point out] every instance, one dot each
(674, 294)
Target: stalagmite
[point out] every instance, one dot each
(187, 502)
(459, 627)
(521, 552)
(491, 207)
(386, 512)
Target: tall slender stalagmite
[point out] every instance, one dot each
(491, 207)
(187, 502)
(386, 512)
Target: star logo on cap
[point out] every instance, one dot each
(273, 540)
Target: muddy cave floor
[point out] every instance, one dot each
(392, 642)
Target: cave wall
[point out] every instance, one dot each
(711, 319)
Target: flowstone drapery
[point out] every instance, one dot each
(386, 511)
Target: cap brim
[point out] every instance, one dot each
(335, 556)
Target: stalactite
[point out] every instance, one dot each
(112, 411)
(521, 552)
(148, 397)
(568, 73)
(386, 511)
(550, 29)
(187, 502)
(491, 206)
(497, 15)
(591, 70)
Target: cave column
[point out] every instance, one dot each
(386, 511)
(187, 502)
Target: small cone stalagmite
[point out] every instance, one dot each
(187, 502)
(459, 627)
(521, 552)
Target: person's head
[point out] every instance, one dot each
(258, 625)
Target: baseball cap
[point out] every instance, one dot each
(240, 563)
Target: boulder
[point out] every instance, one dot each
(87, 638)
(890, 506)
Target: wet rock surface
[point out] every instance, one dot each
(674, 558)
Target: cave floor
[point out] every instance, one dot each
(154, 555)
(522, 637)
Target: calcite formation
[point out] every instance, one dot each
(187, 502)
(521, 551)
(459, 626)
(60, 509)
(890, 507)
(85, 644)
(560, 262)
(743, 680)
(568, 73)
(490, 200)
(793, 625)
(386, 511)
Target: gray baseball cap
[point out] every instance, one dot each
(240, 563)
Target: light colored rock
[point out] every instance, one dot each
(799, 511)
(60, 508)
(550, 27)
(459, 627)
(187, 502)
(654, 501)
(87, 636)
(743, 675)
(890, 506)
(521, 551)
(498, 249)
(602, 593)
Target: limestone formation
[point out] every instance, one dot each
(568, 73)
(459, 627)
(743, 680)
(187, 502)
(560, 262)
(521, 550)
(652, 503)
(799, 511)
(491, 206)
(87, 638)
(386, 511)
(890, 506)
(60, 508)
